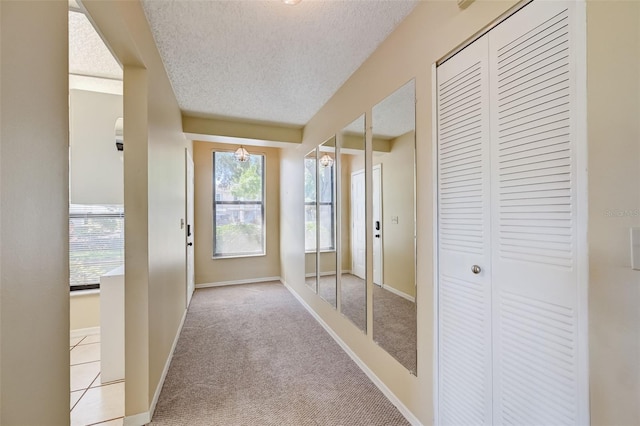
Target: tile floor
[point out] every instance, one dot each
(92, 402)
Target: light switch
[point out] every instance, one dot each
(635, 249)
(394, 220)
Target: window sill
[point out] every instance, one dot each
(321, 251)
(237, 256)
(78, 293)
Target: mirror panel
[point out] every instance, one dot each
(353, 287)
(327, 165)
(394, 248)
(310, 224)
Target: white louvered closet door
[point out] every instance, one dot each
(537, 360)
(464, 298)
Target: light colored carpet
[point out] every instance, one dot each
(394, 326)
(252, 355)
(354, 300)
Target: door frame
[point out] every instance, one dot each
(189, 210)
(380, 241)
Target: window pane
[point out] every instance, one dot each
(310, 179)
(326, 184)
(326, 227)
(239, 229)
(96, 242)
(236, 181)
(310, 227)
(238, 205)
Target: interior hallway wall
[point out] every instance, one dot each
(34, 266)
(613, 115)
(211, 270)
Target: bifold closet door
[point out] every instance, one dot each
(464, 296)
(535, 228)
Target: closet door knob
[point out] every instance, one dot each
(476, 269)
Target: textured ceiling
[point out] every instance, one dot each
(264, 60)
(396, 114)
(88, 55)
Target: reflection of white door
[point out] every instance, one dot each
(358, 225)
(189, 231)
(377, 225)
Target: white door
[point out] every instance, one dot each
(535, 235)
(464, 297)
(378, 236)
(189, 229)
(358, 225)
(512, 332)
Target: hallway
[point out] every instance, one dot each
(251, 354)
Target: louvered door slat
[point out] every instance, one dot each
(463, 219)
(534, 218)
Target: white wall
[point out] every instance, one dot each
(96, 169)
(34, 235)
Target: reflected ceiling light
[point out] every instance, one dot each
(291, 2)
(326, 161)
(241, 154)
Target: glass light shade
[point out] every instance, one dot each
(241, 154)
(326, 161)
(292, 2)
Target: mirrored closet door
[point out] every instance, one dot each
(394, 229)
(353, 283)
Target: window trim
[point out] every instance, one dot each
(262, 203)
(317, 204)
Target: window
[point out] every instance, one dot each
(238, 207)
(326, 205)
(96, 243)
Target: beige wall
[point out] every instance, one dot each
(84, 310)
(154, 194)
(34, 278)
(96, 169)
(398, 200)
(613, 114)
(220, 270)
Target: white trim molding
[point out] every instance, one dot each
(238, 282)
(398, 293)
(372, 376)
(141, 419)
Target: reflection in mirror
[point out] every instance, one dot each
(327, 280)
(310, 228)
(394, 252)
(353, 287)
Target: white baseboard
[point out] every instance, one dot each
(399, 293)
(141, 419)
(238, 282)
(375, 379)
(80, 332)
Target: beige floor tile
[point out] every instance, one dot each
(99, 405)
(82, 375)
(75, 340)
(93, 338)
(85, 353)
(115, 422)
(75, 396)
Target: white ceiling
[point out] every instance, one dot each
(88, 55)
(263, 60)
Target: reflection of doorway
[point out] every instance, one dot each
(358, 227)
(377, 225)
(189, 178)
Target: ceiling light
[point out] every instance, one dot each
(291, 2)
(241, 154)
(326, 161)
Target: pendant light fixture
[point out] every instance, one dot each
(241, 154)
(326, 160)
